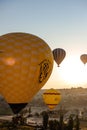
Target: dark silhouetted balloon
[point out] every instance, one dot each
(83, 58)
(59, 54)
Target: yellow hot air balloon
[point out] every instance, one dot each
(83, 58)
(26, 63)
(59, 54)
(52, 98)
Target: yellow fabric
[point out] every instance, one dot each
(26, 63)
(52, 97)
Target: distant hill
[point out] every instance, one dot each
(71, 98)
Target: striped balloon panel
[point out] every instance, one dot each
(59, 55)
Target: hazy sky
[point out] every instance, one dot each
(61, 23)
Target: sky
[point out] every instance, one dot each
(61, 24)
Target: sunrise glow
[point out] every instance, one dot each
(73, 71)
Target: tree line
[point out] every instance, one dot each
(72, 124)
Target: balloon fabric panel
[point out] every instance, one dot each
(26, 63)
(51, 97)
(59, 55)
(83, 58)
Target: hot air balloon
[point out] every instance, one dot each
(26, 63)
(59, 54)
(51, 98)
(83, 58)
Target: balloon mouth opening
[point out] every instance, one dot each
(17, 107)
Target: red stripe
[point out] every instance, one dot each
(52, 104)
(51, 93)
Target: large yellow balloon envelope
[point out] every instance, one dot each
(59, 55)
(26, 62)
(52, 98)
(83, 58)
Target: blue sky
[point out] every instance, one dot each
(61, 23)
(57, 22)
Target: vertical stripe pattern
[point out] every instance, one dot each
(59, 54)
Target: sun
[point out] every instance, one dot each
(73, 71)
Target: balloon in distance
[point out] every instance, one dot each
(26, 63)
(59, 55)
(51, 98)
(83, 58)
